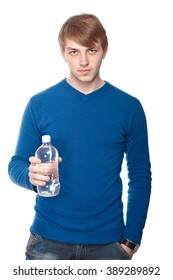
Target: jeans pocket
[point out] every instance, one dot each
(127, 256)
(32, 241)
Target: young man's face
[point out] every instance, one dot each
(84, 63)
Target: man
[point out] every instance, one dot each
(93, 124)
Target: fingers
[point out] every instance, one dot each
(59, 159)
(38, 180)
(34, 160)
(38, 172)
(37, 175)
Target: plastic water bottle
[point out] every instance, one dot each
(48, 155)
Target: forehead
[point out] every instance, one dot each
(70, 44)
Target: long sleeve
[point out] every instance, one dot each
(28, 141)
(138, 164)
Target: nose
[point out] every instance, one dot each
(83, 59)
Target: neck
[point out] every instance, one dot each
(86, 87)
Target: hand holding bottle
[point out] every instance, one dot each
(43, 171)
(38, 172)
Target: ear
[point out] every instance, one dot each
(105, 52)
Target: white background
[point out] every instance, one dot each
(139, 61)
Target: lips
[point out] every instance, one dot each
(84, 71)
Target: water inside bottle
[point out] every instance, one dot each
(52, 187)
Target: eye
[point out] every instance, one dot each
(92, 51)
(73, 52)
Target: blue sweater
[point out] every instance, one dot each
(92, 133)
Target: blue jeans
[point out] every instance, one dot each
(39, 248)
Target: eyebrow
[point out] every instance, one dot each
(69, 48)
(75, 49)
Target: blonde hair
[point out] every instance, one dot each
(85, 29)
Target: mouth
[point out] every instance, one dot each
(84, 71)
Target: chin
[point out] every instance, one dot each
(86, 79)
